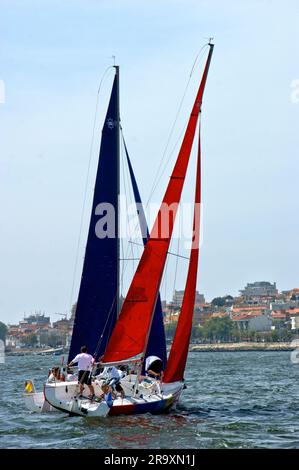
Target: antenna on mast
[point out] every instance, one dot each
(210, 40)
(113, 57)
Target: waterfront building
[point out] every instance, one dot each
(294, 322)
(257, 290)
(36, 319)
(292, 294)
(282, 306)
(255, 322)
(178, 295)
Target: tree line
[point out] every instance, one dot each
(223, 329)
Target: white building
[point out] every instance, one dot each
(259, 289)
(261, 323)
(295, 322)
(178, 295)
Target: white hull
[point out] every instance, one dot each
(64, 396)
(36, 403)
(175, 388)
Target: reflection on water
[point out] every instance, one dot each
(233, 400)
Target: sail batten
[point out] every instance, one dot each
(136, 317)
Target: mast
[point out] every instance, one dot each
(117, 216)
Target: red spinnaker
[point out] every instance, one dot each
(179, 350)
(129, 337)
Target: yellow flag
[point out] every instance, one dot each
(29, 387)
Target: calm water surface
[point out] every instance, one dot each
(233, 400)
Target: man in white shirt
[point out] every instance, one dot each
(85, 363)
(153, 366)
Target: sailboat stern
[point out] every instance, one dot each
(173, 388)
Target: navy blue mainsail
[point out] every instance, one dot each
(98, 298)
(156, 345)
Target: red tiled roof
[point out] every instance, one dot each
(249, 308)
(30, 327)
(293, 311)
(240, 317)
(278, 315)
(220, 314)
(245, 316)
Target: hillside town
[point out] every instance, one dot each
(260, 312)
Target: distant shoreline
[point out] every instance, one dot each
(36, 352)
(244, 346)
(213, 347)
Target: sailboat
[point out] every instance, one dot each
(127, 334)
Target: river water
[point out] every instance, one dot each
(232, 400)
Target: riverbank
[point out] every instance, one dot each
(243, 346)
(35, 352)
(214, 347)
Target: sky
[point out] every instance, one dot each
(53, 55)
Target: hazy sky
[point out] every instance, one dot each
(53, 55)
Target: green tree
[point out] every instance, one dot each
(218, 329)
(274, 336)
(30, 340)
(218, 301)
(196, 333)
(170, 330)
(3, 331)
(259, 336)
(221, 301)
(285, 334)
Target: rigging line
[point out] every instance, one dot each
(128, 195)
(126, 250)
(157, 178)
(177, 259)
(132, 203)
(163, 283)
(168, 252)
(137, 224)
(122, 241)
(125, 253)
(105, 326)
(174, 123)
(86, 184)
(135, 229)
(167, 162)
(144, 207)
(168, 264)
(180, 229)
(130, 185)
